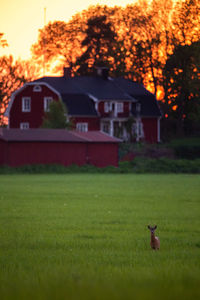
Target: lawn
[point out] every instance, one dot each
(85, 236)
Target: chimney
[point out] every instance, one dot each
(103, 72)
(67, 71)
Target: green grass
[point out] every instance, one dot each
(85, 236)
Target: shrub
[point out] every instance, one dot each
(137, 165)
(186, 148)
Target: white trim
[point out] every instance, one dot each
(7, 113)
(119, 107)
(82, 126)
(37, 88)
(92, 97)
(26, 104)
(47, 101)
(24, 125)
(107, 107)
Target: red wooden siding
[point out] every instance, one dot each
(2, 152)
(125, 113)
(23, 153)
(93, 122)
(57, 146)
(35, 116)
(150, 127)
(102, 155)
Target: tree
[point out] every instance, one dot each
(13, 74)
(56, 117)
(185, 22)
(182, 79)
(145, 30)
(59, 43)
(100, 44)
(3, 42)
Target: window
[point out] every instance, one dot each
(119, 107)
(107, 107)
(37, 88)
(138, 108)
(82, 127)
(105, 127)
(26, 104)
(47, 101)
(24, 125)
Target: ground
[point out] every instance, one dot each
(85, 236)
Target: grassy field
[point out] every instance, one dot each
(85, 236)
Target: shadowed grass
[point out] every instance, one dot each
(86, 237)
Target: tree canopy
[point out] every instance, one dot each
(56, 116)
(3, 42)
(13, 74)
(182, 80)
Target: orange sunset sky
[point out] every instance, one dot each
(21, 19)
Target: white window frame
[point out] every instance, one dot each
(83, 127)
(24, 125)
(37, 88)
(119, 107)
(26, 104)
(107, 107)
(105, 127)
(47, 101)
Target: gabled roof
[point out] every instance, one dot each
(149, 104)
(79, 105)
(97, 136)
(54, 135)
(96, 86)
(78, 91)
(132, 88)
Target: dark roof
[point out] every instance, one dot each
(77, 91)
(54, 135)
(149, 104)
(96, 86)
(79, 104)
(131, 87)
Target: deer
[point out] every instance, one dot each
(155, 242)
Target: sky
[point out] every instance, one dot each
(20, 20)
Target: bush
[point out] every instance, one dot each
(186, 148)
(137, 165)
(161, 165)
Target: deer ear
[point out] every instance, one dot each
(148, 226)
(155, 226)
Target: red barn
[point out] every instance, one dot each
(96, 102)
(57, 146)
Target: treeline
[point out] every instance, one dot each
(156, 43)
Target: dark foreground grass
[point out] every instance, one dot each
(86, 237)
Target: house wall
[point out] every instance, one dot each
(103, 114)
(150, 127)
(35, 116)
(23, 153)
(93, 123)
(2, 152)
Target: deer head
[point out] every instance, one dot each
(152, 229)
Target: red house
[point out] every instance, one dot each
(96, 102)
(57, 146)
